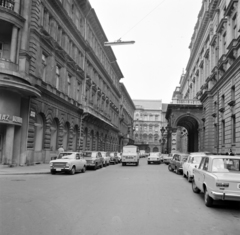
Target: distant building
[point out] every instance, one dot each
(149, 118)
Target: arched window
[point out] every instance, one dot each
(39, 126)
(75, 138)
(155, 149)
(85, 139)
(150, 138)
(97, 142)
(54, 135)
(144, 136)
(91, 141)
(66, 136)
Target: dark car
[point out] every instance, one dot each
(177, 161)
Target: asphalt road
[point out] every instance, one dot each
(117, 200)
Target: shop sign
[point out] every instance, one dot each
(6, 118)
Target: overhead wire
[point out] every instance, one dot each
(142, 19)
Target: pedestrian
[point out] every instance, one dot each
(61, 149)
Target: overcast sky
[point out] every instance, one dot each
(162, 31)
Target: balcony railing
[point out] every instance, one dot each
(186, 101)
(8, 4)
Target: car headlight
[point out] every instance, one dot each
(51, 164)
(67, 165)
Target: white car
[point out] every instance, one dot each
(106, 158)
(154, 157)
(218, 178)
(68, 162)
(192, 162)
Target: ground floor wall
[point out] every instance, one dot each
(32, 130)
(222, 115)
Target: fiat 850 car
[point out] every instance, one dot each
(218, 177)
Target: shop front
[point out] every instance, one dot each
(14, 109)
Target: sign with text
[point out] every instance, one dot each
(6, 118)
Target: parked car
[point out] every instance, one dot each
(177, 161)
(218, 178)
(155, 157)
(68, 162)
(192, 162)
(94, 159)
(113, 158)
(106, 159)
(167, 158)
(119, 156)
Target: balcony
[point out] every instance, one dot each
(186, 101)
(6, 64)
(7, 4)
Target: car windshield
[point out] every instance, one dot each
(87, 154)
(196, 159)
(130, 150)
(184, 158)
(226, 165)
(63, 155)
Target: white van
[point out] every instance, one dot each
(130, 155)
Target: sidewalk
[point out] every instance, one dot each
(25, 170)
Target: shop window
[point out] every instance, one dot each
(38, 144)
(54, 135)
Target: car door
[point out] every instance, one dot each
(199, 176)
(78, 165)
(185, 165)
(177, 161)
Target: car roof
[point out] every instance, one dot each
(223, 156)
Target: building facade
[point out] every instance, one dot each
(149, 118)
(213, 75)
(58, 84)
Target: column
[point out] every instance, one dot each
(9, 144)
(13, 48)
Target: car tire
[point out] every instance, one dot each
(189, 178)
(123, 164)
(184, 176)
(73, 170)
(148, 163)
(84, 169)
(53, 172)
(207, 199)
(195, 189)
(170, 168)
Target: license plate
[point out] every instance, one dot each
(58, 169)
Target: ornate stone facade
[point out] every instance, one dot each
(57, 81)
(213, 74)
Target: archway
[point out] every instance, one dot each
(66, 135)
(155, 149)
(75, 138)
(54, 134)
(192, 126)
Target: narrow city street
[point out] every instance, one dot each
(130, 200)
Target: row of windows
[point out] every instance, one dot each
(208, 58)
(75, 15)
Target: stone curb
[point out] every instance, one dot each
(24, 173)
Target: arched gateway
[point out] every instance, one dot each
(185, 127)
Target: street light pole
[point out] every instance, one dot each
(162, 131)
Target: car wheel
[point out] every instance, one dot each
(123, 164)
(84, 169)
(73, 170)
(148, 163)
(207, 199)
(184, 176)
(53, 172)
(194, 187)
(189, 178)
(170, 168)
